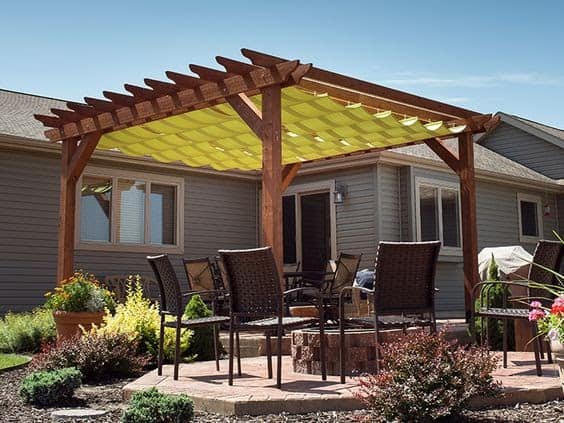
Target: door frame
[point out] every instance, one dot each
(314, 188)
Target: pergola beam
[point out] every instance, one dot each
(446, 154)
(129, 110)
(247, 111)
(289, 172)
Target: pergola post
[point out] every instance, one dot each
(272, 171)
(67, 207)
(74, 157)
(469, 217)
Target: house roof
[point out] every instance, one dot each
(548, 133)
(17, 110)
(484, 159)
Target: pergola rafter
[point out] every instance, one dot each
(254, 91)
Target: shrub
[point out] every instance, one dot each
(98, 357)
(26, 332)
(425, 377)
(50, 387)
(494, 326)
(138, 319)
(151, 406)
(201, 343)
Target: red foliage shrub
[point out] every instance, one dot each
(98, 357)
(425, 377)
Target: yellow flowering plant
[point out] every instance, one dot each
(138, 318)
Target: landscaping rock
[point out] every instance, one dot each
(72, 414)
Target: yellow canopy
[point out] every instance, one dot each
(314, 127)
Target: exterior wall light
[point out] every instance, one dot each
(339, 195)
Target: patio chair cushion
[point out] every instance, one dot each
(387, 322)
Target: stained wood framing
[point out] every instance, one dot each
(469, 218)
(266, 75)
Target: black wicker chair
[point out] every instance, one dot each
(547, 255)
(257, 304)
(172, 304)
(203, 276)
(404, 292)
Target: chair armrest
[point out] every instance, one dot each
(355, 288)
(316, 292)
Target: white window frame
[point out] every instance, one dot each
(438, 184)
(148, 179)
(307, 189)
(537, 199)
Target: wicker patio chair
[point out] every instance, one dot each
(547, 258)
(117, 284)
(331, 283)
(172, 304)
(404, 292)
(257, 304)
(202, 276)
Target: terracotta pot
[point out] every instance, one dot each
(69, 323)
(557, 349)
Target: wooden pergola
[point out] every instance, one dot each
(243, 85)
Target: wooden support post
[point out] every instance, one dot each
(272, 171)
(73, 161)
(66, 212)
(469, 227)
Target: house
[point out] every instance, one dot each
(344, 204)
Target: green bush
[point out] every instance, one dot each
(151, 406)
(425, 378)
(26, 332)
(50, 387)
(98, 357)
(138, 319)
(201, 343)
(494, 327)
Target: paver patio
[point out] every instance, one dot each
(254, 394)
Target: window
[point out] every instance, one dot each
(530, 217)
(438, 213)
(136, 212)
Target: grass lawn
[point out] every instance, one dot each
(12, 360)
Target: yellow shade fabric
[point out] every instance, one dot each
(314, 127)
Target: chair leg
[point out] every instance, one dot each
(505, 343)
(377, 339)
(322, 357)
(541, 348)
(548, 353)
(231, 347)
(536, 349)
(268, 355)
(161, 347)
(279, 357)
(177, 352)
(342, 348)
(215, 344)
(238, 353)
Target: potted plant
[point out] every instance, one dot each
(551, 325)
(78, 303)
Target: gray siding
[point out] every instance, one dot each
(356, 217)
(390, 204)
(219, 212)
(498, 224)
(524, 148)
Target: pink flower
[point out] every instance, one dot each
(536, 304)
(536, 314)
(559, 301)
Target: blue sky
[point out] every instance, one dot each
(484, 55)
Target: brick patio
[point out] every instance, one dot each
(254, 394)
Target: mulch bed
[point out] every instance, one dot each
(108, 397)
